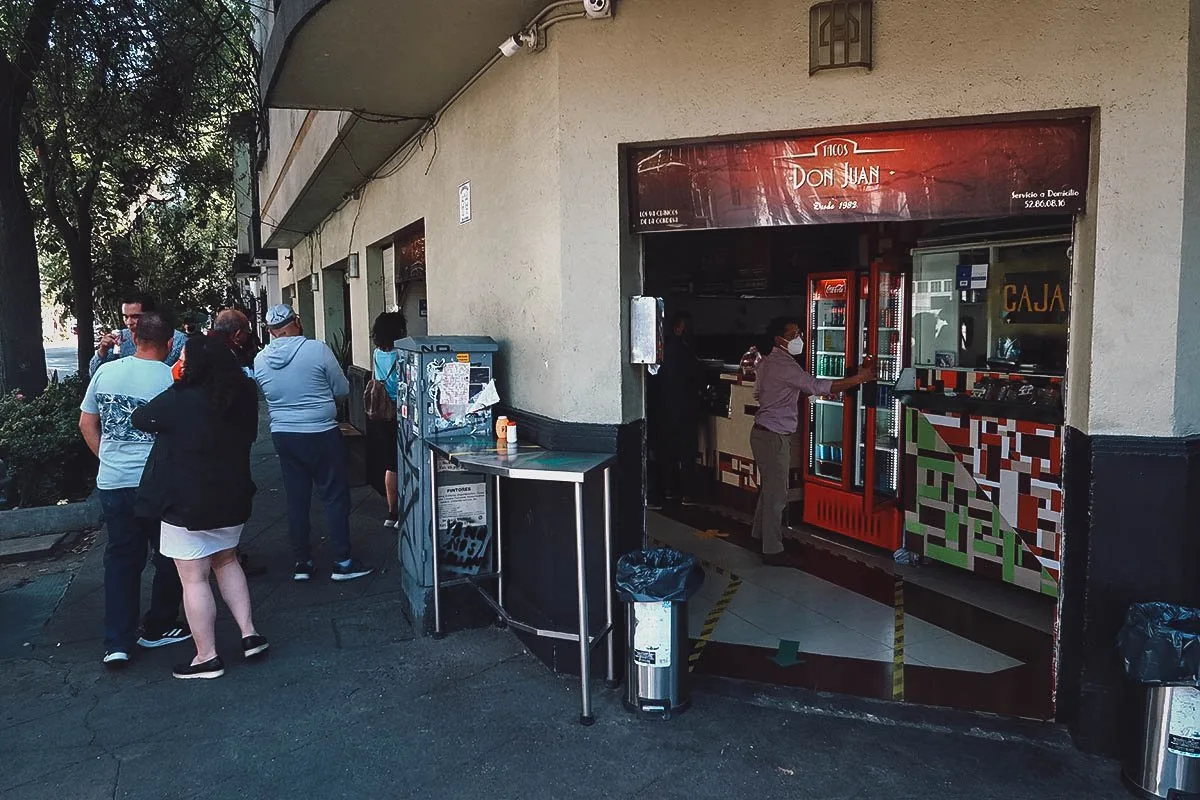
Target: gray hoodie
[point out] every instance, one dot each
(300, 378)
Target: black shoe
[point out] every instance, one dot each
(302, 571)
(213, 668)
(254, 645)
(392, 521)
(353, 570)
(782, 559)
(115, 658)
(170, 636)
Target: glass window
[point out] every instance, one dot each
(1012, 313)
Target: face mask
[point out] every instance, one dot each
(796, 346)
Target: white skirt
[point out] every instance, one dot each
(188, 545)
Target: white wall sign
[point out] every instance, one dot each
(464, 203)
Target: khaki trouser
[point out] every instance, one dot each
(773, 457)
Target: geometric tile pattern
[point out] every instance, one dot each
(737, 471)
(985, 494)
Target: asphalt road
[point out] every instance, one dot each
(62, 359)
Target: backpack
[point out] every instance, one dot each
(379, 406)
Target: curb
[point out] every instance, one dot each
(20, 523)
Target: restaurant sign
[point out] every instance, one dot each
(992, 170)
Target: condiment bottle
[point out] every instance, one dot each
(510, 434)
(501, 427)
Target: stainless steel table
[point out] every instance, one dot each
(488, 457)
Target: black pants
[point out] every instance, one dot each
(319, 459)
(129, 540)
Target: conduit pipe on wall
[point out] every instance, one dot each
(536, 25)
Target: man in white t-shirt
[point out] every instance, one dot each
(116, 390)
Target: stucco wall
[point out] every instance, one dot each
(1187, 376)
(498, 274)
(672, 70)
(306, 142)
(547, 263)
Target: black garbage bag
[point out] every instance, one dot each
(645, 576)
(1160, 643)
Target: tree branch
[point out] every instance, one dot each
(31, 51)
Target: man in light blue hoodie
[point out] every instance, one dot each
(301, 378)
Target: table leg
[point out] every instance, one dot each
(608, 576)
(585, 715)
(499, 551)
(434, 544)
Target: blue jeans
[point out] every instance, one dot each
(129, 539)
(308, 459)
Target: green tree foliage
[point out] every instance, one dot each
(128, 149)
(41, 446)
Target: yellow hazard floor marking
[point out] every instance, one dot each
(714, 614)
(898, 644)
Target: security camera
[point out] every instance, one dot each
(513, 44)
(510, 47)
(597, 9)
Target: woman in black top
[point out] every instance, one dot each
(197, 481)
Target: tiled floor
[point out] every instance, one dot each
(776, 603)
(967, 644)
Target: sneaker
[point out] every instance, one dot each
(115, 658)
(391, 522)
(302, 571)
(171, 636)
(213, 668)
(254, 645)
(353, 569)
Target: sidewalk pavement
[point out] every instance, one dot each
(350, 703)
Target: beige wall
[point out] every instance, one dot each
(547, 264)
(300, 144)
(1187, 376)
(497, 275)
(671, 72)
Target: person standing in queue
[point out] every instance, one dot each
(123, 343)
(780, 382)
(678, 417)
(301, 380)
(115, 393)
(208, 421)
(389, 327)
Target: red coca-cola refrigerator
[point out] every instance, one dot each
(852, 440)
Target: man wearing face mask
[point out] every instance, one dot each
(779, 384)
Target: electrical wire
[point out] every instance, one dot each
(416, 142)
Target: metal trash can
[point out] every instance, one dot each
(655, 585)
(1167, 764)
(1160, 645)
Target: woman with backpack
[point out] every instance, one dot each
(380, 402)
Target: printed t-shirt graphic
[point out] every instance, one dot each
(117, 390)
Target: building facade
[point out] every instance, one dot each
(407, 164)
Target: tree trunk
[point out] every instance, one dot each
(85, 300)
(22, 354)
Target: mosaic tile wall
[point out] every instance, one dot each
(736, 471)
(985, 494)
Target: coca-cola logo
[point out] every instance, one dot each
(832, 288)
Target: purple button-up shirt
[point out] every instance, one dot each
(779, 383)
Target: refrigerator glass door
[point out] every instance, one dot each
(879, 414)
(830, 318)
